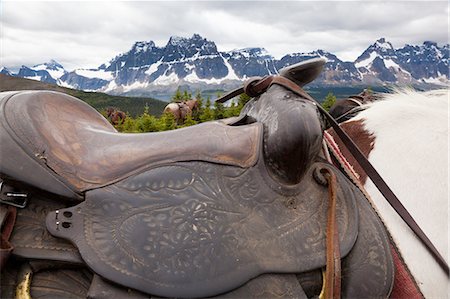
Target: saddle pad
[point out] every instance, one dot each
(199, 229)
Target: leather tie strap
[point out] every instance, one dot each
(257, 86)
(360, 158)
(230, 95)
(332, 283)
(7, 220)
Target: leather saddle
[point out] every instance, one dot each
(226, 208)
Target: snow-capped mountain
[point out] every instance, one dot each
(426, 63)
(48, 72)
(336, 71)
(5, 71)
(196, 63)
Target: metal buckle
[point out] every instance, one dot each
(12, 196)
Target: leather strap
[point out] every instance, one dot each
(332, 287)
(230, 95)
(363, 162)
(7, 220)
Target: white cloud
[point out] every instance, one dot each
(87, 34)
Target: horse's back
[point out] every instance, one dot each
(411, 149)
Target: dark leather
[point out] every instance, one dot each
(7, 220)
(238, 219)
(303, 72)
(266, 286)
(280, 111)
(31, 238)
(78, 147)
(197, 229)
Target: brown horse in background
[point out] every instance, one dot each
(345, 109)
(115, 116)
(180, 110)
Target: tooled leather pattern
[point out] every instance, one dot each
(199, 229)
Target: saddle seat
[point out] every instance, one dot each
(66, 147)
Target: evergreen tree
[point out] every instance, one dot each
(207, 114)
(178, 96)
(128, 125)
(231, 111)
(186, 96)
(243, 99)
(166, 122)
(189, 121)
(329, 101)
(219, 110)
(196, 114)
(198, 95)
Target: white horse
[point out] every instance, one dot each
(406, 137)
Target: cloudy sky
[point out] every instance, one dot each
(81, 34)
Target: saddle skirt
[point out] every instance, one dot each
(195, 229)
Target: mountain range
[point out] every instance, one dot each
(196, 63)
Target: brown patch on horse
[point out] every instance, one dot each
(362, 138)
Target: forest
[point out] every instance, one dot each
(207, 111)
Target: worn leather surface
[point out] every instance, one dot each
(72, 140)
(200, 229)
(368, 270)
(292, 132)
(303, 72)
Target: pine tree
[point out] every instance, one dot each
(178, 96)
(243, 99)
(186, 96)
(166, 122)
(329, 101)
(230, 111)
(198, 95)
(189, 121)
(219, 110)
(207, 114)
(128, 125)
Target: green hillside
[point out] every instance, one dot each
(100, 101)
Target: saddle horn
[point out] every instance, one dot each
(300, 73)
(303, 72)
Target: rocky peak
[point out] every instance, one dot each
(142, 46)
(253, 52)
(430, 44)
(51, 65)
(382, 45)
(179, 48)
(5, 71)
(381, 48)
